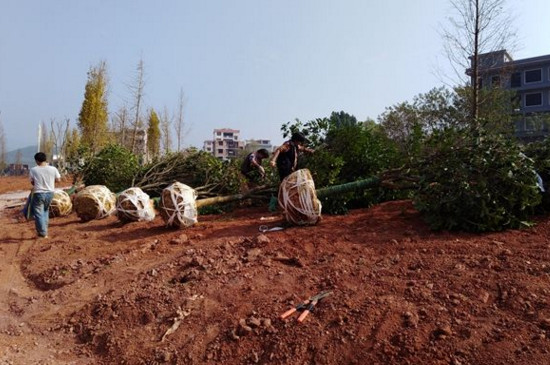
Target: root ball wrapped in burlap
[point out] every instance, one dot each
(61, 204)
(133, 205)
(298, 199)
(178, 206)
(94, 202)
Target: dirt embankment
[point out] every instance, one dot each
(104, 292)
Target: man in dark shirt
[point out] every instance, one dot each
(286, 156)
(252, 165)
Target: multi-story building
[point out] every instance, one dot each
(225, 143)
(530, 78)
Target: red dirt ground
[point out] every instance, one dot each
(106, 293)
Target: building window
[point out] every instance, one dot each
(533, 99)
(495, 81)
(533, 76)
(516, 79)
(220, 143)
(220, 151)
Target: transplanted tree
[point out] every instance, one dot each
(153, 135)
(476, 28)
(94, 116)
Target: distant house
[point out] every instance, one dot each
(17, 169)
(226, 143)
(530, 78)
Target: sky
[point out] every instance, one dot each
(250, 65)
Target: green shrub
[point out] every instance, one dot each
(539, 152)
(114, 167)
(475, 181)
(346, 150)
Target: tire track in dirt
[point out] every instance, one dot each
(15, 295)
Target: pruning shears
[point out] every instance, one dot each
(306, 306)
(264, 228)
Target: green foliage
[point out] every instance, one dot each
(495, 108)
(409, 124)
(153, 134)
(474, 180)
(93, 116)
(539, 153)
(114, 166)
(345, 150)
(215, 209)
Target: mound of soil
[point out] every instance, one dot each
(104, 292)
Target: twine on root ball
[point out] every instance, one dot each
(94, 202)
(298, 199)
(133, 205)
(178, 206)
(61, 204)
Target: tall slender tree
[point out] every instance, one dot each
(120, 124)
(72, 145)
(46, 141)
(153, 134)
(93, 118)
(179, 126)
(165, 127)
(59, 133)
(476, 27)
(137, 92)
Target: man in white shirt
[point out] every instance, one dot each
(43, 178)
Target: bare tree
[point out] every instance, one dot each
(179, 126)
(165, 124)
(477, 27)
(137, 93)
(60, 132)
(120, 122)
(46, 140)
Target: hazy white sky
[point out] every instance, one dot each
(243, 64)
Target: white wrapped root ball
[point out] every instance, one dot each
(94, 202)
(178, 206)
(298, 199)
(61, 204)
(133, 205)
